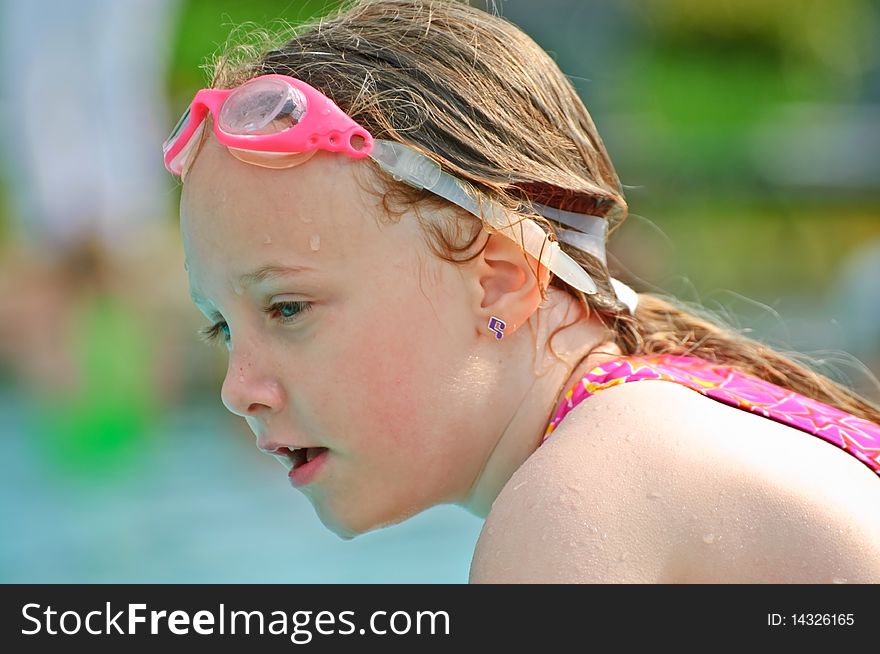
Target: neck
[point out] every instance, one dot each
(543, 379)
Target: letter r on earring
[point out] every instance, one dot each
(497, 325)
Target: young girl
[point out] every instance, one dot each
(396, 224)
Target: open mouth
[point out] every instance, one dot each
(302, 455)
(296, 457)
(305, 465)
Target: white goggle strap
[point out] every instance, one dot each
(406, 165)
(590, 237)
(588, 233)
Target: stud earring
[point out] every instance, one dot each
(497, 325)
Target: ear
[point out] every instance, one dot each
(505, 284)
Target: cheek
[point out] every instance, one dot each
(392, 371)
(395, 365)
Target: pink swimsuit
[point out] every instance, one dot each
(723, 383)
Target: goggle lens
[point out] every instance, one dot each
(264, 106)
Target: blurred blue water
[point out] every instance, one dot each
(197, 504)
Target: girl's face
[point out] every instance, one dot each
(358, 340)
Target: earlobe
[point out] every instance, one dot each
(509, 291)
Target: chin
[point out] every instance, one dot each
(356, 520)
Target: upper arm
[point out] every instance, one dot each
(645, 487)
(551, 533)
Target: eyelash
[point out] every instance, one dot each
(211, 333)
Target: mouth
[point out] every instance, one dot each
(297, 460)
(307, 462)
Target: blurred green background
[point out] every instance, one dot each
(747, 135)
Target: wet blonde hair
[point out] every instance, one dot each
(481, 98)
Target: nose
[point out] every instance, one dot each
(248, 390)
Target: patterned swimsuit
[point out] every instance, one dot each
(723, 383)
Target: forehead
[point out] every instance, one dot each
(236, 217)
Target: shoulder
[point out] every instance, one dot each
(652, 482)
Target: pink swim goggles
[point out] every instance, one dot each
(276, 121)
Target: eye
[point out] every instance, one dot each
(285, 312)
(288, 311)
(212, 333)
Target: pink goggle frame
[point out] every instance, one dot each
(271, 117)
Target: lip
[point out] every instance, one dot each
(305, 473)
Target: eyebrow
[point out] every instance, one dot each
(270, 272)
(262, 274)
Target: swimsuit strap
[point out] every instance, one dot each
(726, 384)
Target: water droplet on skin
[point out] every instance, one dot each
(629, 438)
(519, 485)
(237, 288)
(315, 242)
(839, 580)
(306, 219)
(654, 495)
(490, 530)
(574, 489)
(267, 240)
(241, 378)
(708, 538)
